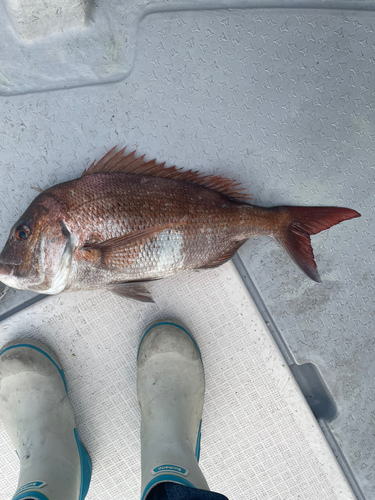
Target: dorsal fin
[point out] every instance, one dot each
(117, 162)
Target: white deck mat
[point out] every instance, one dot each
(259, 438)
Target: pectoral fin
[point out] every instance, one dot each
(121, 252)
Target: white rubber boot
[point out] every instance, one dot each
(170, 382)
(37, 415)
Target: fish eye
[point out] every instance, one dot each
(22, 232)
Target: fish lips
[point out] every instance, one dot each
(12, 255)
(6, 270)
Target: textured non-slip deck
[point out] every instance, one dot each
(259, 438)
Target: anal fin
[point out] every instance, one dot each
(223, 258)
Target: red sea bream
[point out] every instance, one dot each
(127, 221)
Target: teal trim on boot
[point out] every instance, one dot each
(34, 495)
(198, 445)
(86, 467)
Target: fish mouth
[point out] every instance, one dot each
(11, 257)
(6, 270)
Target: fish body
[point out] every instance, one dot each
(126, 221)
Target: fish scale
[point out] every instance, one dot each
(125, 206)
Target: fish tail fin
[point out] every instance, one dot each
(300, 223)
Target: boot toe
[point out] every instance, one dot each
(164, 337)
(28, 355)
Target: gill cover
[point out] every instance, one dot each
(61, 273)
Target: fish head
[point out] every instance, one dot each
(37, 255)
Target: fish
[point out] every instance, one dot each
(127, 222)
